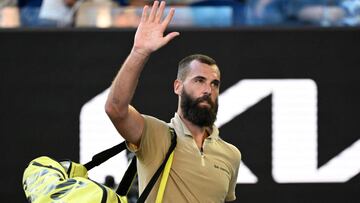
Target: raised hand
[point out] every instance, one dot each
(149, 36)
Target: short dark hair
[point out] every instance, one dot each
(183, 66)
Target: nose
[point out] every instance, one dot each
(207, 89)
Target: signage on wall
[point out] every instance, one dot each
(294, 133)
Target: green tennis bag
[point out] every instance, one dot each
(46, 180)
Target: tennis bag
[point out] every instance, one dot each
(46, 180)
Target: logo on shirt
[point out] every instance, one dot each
(221, 168)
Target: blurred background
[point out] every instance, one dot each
(289, 100)
(196, 13)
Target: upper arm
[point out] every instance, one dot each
(129, 126)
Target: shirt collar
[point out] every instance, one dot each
(181, 129)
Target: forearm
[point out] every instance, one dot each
(124, 84)
(149, 37)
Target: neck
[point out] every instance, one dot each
(198, 133)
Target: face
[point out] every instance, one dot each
(199, 94)
(193, 109)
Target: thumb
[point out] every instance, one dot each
(171, 36)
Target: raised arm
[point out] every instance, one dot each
(149, 37)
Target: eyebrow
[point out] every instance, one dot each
(199, 77)
(202, 77)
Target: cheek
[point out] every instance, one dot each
(214, 97)
(192, 91)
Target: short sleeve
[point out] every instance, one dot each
(155, 141)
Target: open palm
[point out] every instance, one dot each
(149, 36)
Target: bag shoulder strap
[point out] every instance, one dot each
(164, 179)
(131, 172)
(153, 180)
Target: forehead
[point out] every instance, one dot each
(197, 68)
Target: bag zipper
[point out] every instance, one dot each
(50, 167)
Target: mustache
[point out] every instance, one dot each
(205, 98)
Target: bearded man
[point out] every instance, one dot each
(205, 167)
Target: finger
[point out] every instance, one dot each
(160, 12)
(144, 13)
(153, 11)
(171, 36)
(168, 18)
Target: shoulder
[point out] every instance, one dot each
(152, 123)
(154, 127)
(154, 140)
(231, 151)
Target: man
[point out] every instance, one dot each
(205, 167)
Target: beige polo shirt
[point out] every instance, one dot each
(195, 176)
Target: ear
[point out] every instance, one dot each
(178, 86)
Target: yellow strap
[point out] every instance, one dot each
(123, 199)
(164, 179)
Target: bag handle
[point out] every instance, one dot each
(103, 156)
(128, 178)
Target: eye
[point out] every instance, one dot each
(199, 80)
(215, 84)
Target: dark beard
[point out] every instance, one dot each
(200, 116)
